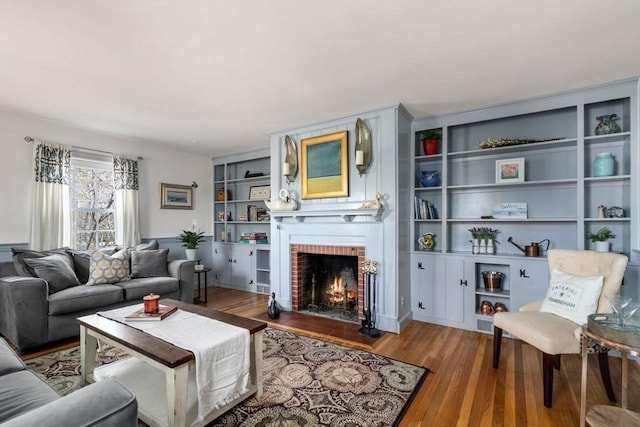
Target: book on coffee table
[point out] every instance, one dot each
(140, 315)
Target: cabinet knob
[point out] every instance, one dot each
(250, 253)
(235, 260)
(420, 267)
(523, 273)
(420, 305)
(463, 282)
(216, 250)
(229, 260)
(251, 282)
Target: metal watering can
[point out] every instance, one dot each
(531, 250)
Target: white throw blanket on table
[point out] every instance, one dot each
(221, 351)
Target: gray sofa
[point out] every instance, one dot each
(35, 311)
(26, 400)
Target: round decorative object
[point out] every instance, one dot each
(603, 165)
(427, 241)
(486, 307)
(429, 178)
(499, 307)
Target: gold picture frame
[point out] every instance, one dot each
(325, 166)
(174, 196)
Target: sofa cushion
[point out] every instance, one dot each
(56, 269)
(80, 298)
(21, 392)
(108, 268)
(9, 361)
(149, 263)
(135, 289)
(20, 254)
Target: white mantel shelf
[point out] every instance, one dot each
(346, 214)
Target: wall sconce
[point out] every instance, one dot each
(362, 147)
(290, 165)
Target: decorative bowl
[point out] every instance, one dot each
(429, 178)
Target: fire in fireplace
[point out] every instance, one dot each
(328, 284)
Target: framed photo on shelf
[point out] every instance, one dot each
(325, 166)
(174, 196)
(510, 171)
(260, 192)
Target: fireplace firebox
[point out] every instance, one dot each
(327, 281)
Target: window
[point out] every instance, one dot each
(92, 201)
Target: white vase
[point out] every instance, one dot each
(490, 247)
(191, 254)
(483, 246)
(602, 246)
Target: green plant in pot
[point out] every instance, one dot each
(190, 241)
(600, 239)
(430, 140)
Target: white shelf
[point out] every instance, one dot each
(347, 215)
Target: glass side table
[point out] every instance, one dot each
(606, 329)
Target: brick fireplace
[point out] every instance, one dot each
(300, 256)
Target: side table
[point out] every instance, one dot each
(598, 330)
(200, 273)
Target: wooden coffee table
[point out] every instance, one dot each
(157, 364)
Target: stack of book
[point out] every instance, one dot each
(256, 213)
(425, 209)
(254, 238)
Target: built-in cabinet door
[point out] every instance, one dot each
(242, 267)
(220, 267)
(529, 280)
(453, 292)
(423, 278)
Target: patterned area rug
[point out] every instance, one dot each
(307, 382)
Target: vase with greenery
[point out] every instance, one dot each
(430, 140)
(190, 240)
(600, 239)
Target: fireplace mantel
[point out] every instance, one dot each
(347, 214)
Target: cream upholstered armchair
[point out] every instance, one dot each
(555, 335)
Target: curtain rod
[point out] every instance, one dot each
(29, 139)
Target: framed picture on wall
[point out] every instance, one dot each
(509, 171)
(174, 196)
(325, 166)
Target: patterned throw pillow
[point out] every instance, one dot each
(108, 268)
(572, 297)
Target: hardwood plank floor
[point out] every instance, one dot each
(462, 389)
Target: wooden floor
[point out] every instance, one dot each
(462, 389)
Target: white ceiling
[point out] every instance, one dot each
(217, 77)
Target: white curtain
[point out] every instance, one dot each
(50, 212)
(125, 177)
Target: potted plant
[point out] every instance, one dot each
(483, 240)
(190, 240)
(430, 140)
(600, 239)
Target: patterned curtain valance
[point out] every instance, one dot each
(125, 173)
(52, 163)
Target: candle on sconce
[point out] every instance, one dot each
(286, 169)
(359, 157)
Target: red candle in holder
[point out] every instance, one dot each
(151, 303)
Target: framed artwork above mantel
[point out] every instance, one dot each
(325, 166)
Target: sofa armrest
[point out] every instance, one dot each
(106, 403)
(183, 270)
(24, 310)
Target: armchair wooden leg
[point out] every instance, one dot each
(603, 361)
(497, 344)
(549, 362)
